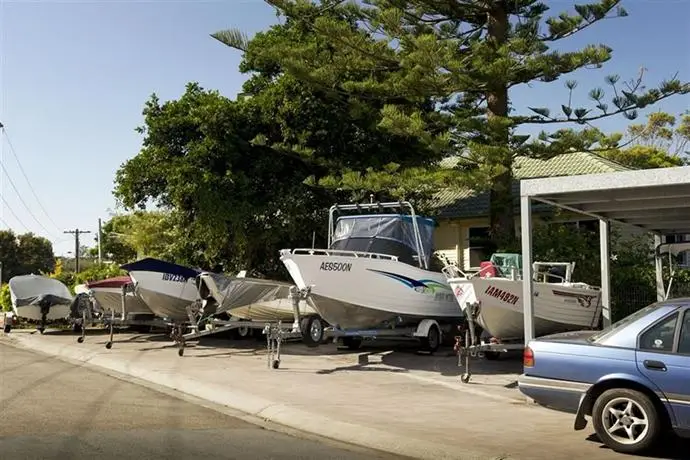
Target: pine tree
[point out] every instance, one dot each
(466, 55)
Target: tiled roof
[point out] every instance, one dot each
(465, 203)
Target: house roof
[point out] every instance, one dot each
(466, 203)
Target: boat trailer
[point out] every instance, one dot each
(472, 345)
(112, 320)
(276, 332)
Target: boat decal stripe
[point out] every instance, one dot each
(412, 283)
(585, 300)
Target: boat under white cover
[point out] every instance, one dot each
(375, 272)
(251, 298)
(34, 295)
(559, 305)
(109, 296)
(166, 288)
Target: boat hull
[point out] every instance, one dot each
(557, 307)
(110, 299)
(33, 312)
(357, 291)
(165, 295)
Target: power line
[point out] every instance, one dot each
(21, 168)
(13, 214)
(4, 169)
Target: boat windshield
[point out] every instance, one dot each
(505, 263)
(392, 234)
(608, 331)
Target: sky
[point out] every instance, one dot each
(74, 76)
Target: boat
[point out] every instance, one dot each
(40, 298)
(251, 299)
(109, 293)
(166, 288)
(376, 271)
(560, 305)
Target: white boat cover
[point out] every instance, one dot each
(38, 290)
(240, 292)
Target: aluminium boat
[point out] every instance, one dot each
(166, 288)
(376, 272)
(560, 305)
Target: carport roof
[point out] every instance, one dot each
(656, 200)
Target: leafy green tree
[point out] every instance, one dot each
(9, 255)
(466, 55)
(5, 298)
(126, 237)
(24, 254)
(661, 142)
(229, 201)
(35, 254)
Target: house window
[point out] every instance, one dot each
(480, 246)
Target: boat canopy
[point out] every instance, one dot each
(160, 266)
(392, 234)
(38, 290)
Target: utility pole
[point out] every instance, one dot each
(76, 232)
(99, 241)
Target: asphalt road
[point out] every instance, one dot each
(50, 409)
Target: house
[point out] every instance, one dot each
(463, 215)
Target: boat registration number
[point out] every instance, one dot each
(175, 278)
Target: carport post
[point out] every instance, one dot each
(605, 256)
(527, 282)
(658, 264)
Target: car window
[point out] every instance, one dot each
(660, 336)
(684, 342)
(608, 331)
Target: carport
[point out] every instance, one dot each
(656, 200)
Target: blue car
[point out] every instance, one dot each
(632, 378)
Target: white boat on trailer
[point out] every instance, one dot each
(40, 298)
(374, 279)
(492, 299)
(560, 305)
(114, 303)
(166, 288)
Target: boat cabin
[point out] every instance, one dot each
(408, 237)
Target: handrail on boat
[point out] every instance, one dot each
(342, 253)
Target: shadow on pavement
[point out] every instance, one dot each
(670, 448)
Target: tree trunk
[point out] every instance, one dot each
(501, 219)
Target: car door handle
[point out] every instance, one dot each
(654, 365)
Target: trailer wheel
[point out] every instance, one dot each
(432, 341)
(7, 328)
(80, 339)
(312, 331)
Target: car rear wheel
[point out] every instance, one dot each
(626, 420)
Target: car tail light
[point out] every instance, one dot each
(528, 357)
